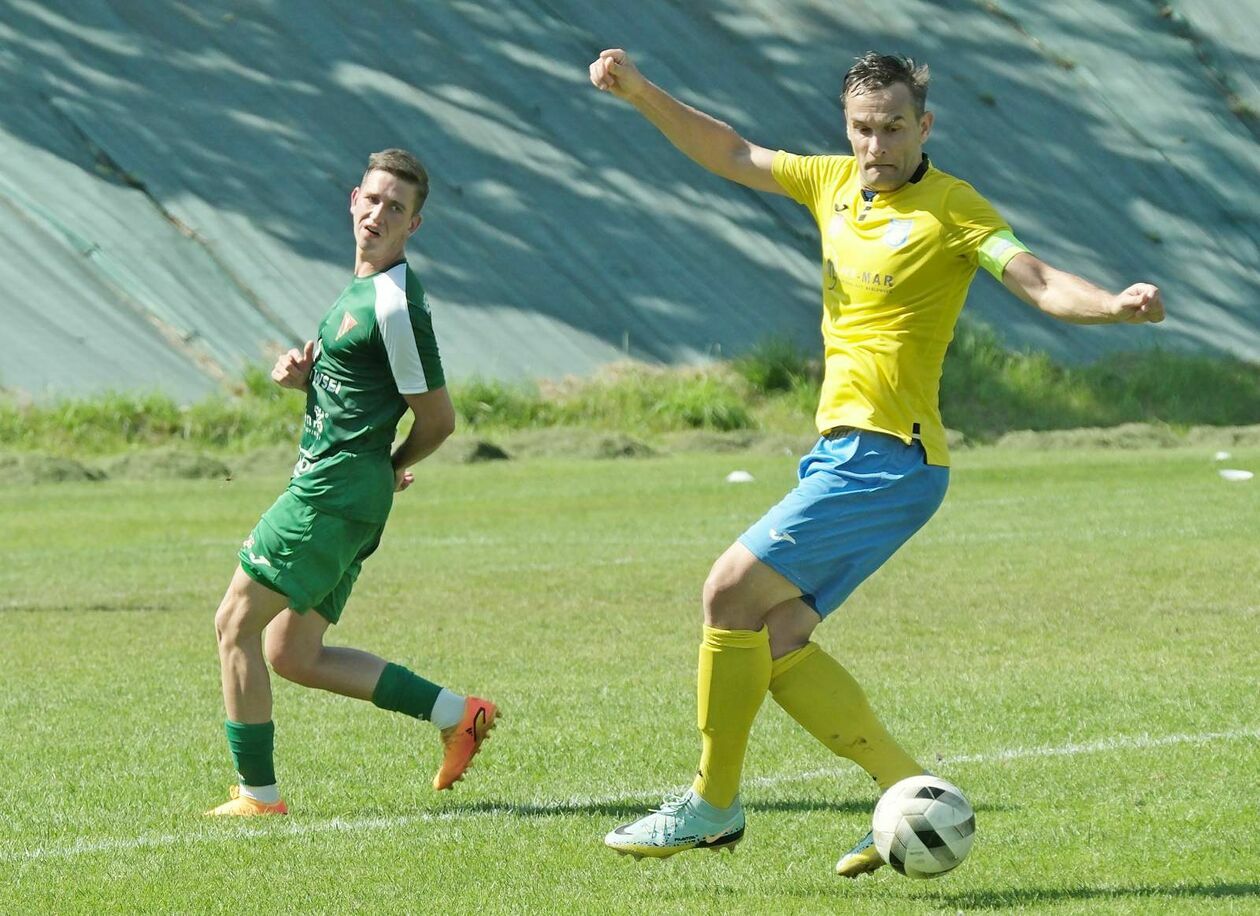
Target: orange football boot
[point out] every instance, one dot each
(461, 742)
(239, 805)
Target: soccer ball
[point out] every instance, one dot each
(923, 826)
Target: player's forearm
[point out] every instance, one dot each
(421, 442)
(1073, 299)
(704, 139)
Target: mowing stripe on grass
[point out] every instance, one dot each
(578, 803)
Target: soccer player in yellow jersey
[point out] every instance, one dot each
(901, 241)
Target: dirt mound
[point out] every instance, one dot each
(1127, 435)
(168, 464)
(571, 442)
(35, 467)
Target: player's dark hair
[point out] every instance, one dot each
(879, 71)
(401, 164)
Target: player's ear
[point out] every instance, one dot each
(925, 125)
(354, 197)
(415, 224)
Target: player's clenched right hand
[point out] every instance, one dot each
(614, 72)
(1140, 302)
(293, 369)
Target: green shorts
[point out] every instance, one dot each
(310, 557)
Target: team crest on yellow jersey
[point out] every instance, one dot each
(898, 232)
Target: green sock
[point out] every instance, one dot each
(399, 690)
(251, 747)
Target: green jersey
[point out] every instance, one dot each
(375, 344)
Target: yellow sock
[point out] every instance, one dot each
(817, 692)
(731, 682)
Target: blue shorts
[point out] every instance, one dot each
(861, 496)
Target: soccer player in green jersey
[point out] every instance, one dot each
(375, 357)
(901, 242)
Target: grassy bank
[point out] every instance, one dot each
(986, 391)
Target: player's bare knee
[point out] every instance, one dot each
(291, 667)
(726, 604)
(713, 597)
(227, 620)
(291, 662)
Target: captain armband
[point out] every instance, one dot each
(997, 250)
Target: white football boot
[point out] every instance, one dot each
(681, 823)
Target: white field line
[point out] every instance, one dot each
(578, 803)
(1133, 743)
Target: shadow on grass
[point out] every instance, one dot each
(1021, 897)
(637, 808)
(96, 606)
(634, 808)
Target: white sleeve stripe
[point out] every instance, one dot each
(394, 322)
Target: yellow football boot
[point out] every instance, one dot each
(861, 859)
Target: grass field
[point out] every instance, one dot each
(1073, 639)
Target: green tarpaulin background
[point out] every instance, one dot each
(174, 175)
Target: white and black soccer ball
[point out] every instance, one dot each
(923, 826)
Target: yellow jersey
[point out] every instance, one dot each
(896, 268)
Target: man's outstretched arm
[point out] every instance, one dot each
(1070, 298)
(706, 140)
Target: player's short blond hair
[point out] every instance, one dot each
(401, 164)
(879, 71)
